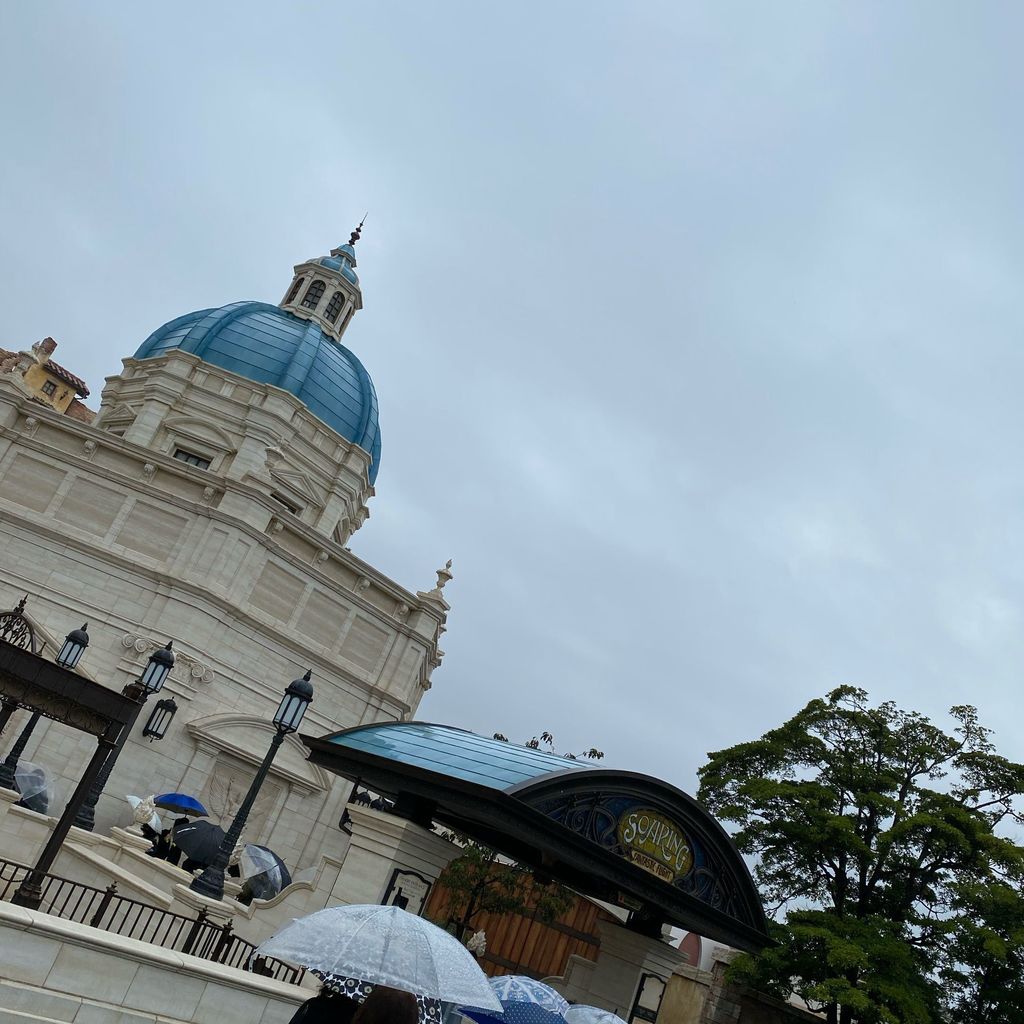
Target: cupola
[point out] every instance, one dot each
(325, 289)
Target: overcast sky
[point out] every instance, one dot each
(696, 328)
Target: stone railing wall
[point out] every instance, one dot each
(56, 970)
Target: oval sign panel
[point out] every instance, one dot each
(656, 844)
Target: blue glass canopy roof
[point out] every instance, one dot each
(455, 753)
(269, 345)
(619, 836)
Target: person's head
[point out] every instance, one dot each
(388, 1006)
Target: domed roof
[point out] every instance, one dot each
(341, 260)
(269, 345)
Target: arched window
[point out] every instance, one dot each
(295, 289)
(334, 307)
(314, 293)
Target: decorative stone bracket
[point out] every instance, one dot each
(198, 672)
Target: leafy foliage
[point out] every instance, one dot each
(870, 827)
(983, 967)
(480, 883)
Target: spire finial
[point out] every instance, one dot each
(354, 237)
(444, 575)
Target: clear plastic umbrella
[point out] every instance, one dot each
(523, 1000)
(265, 872)
(580, 1014)
(384, 946)
(34, 784)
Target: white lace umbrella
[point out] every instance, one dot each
(579, 1014)
(153, 820)
(384, 946)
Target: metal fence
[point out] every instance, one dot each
(106, 909)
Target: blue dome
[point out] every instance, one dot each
(341, 259)
(268, 345)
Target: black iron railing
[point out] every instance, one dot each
(106, 909)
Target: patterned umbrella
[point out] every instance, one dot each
(431, 1011)
(580, 1014)
(523, 1001)
(384, 946)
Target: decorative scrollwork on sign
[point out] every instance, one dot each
(17, 630)
(198, 672)
(702, 873)
(61, 709)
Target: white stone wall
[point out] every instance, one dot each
(56, 970)
(111, 529)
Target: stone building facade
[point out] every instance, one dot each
(210, 502)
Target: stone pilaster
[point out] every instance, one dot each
(382, 844)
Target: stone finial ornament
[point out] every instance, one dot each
(444, 575)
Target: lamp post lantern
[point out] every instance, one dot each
(159, 719)
(68, 657)
(297, 697)
(153, 677)
(73, 648)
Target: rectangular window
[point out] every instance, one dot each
(49, 388)
(286, 502)
(191, 459)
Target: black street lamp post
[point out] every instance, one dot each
(153, 677)
(68, 657)
(296, 699)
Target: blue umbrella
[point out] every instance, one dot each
(181, 803)
(523, 1000)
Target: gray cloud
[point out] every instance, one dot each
(696, 328)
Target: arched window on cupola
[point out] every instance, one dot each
(293, 294)
(334, 307)
(314, 293)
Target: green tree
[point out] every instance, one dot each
(983, 958)
(480, 883)
(866, 825)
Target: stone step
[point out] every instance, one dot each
(37, 1003)
(17, 1017)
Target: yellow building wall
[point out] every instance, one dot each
(36, 376)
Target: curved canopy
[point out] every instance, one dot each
(621, 837)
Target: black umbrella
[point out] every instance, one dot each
(264, 871)
(199, 840)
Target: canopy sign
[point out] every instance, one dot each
(655, 843)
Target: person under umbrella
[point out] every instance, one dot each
(265, 874)
(33, 782)
(388, 1006)
(328, 1006)
(431, 1011)
(198, 840)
